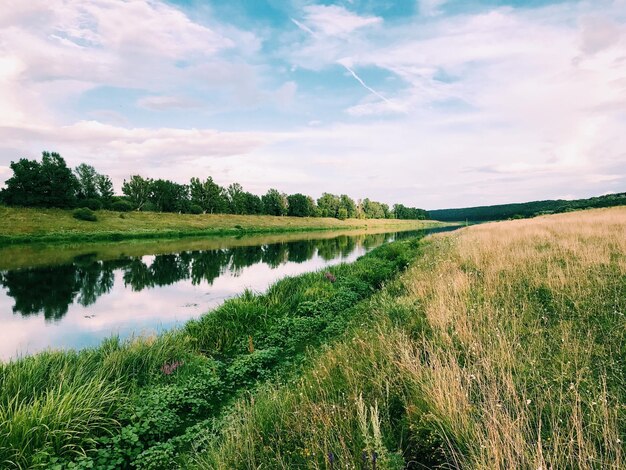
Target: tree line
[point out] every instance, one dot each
(526, 209)
(51, 183)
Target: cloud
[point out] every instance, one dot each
(430, 7)
(52, 52)
(165, 152)
(334, 20)
(164, 103)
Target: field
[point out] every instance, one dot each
(501, 346)
(19, 225)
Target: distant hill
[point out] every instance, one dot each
(525, 209)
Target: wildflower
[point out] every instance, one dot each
(528, 402)
(169, 368)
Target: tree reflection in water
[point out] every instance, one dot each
(51, 290)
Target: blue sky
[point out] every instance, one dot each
(431, 103)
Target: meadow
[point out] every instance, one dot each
(503, 346)
(495, 346)
(27, 225)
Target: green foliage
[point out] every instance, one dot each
(121, 206)
(194, 209)
(138, 190)
(167, 196)
(84, 213)
(526, 209)
(146, 401)
(409, 213)
(274, 203)
(47, 184)
(207, 195)
(87, 181)
(52, 184)
(93, 204)
(300, 205)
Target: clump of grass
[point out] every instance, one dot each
(84, 213)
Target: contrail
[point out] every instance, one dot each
(371, 90)
(303, 27)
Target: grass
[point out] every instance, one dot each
(142, 402)
(503, 346)
(28, 225)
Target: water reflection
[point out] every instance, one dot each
(51, 290)
(97, 290)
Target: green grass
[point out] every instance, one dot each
(503, 346)
(28, 225)
(114, 406)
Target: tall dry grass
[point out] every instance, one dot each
(525, 368)
(502, 347)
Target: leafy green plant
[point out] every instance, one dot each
(84, 213)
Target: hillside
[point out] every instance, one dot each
(525, 209)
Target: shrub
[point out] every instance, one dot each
(84, 213)
(122, 206)
(93, 204)
(195, 209)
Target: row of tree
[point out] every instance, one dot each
(51, 183)
(527, 209)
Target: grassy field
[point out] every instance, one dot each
(502, 346)
(23, 225)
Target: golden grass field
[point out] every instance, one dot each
(502, 347)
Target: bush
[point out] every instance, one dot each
(195, 209)
(93, 204)
(84, 213)
(122, 206)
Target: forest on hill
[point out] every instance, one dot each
(525, 209)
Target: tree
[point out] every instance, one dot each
(105, 189)
(252, 204)
(138, 190)
(348, 204)
(24, 187)
(87, 181)
(236, 199)
(373, 209)
(274, 203)
(300, 205)
(168, 196)
(47, 184)
(208, 195)
(328, 205)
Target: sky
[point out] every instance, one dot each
(430, 103)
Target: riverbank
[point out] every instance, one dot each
(503, 346)
(143, 402)
(28, 225)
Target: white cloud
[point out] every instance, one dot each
(164, 103)
(430, 7)
(333, 20)
(170, 153)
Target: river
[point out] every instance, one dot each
(74, 296)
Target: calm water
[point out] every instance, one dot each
(73, 297)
